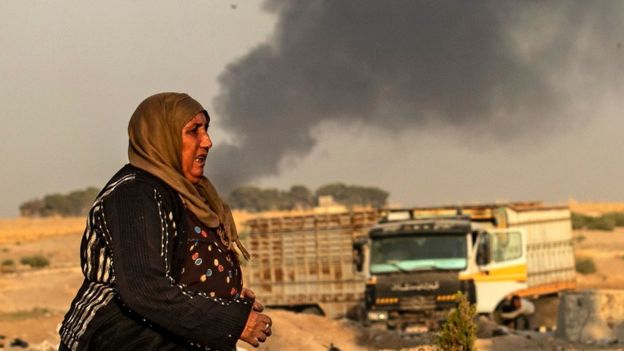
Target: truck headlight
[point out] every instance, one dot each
(378, 315)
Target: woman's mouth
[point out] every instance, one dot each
(201, 159)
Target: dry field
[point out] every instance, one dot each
(33, 301)
(21, 230)
(595, 208)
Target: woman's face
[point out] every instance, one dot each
(195, 145)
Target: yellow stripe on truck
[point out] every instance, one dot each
(511, 273)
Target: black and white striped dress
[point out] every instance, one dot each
(132, 254)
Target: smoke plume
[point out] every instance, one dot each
(496, 68)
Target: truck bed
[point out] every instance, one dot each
(550, 251)
(306, 260)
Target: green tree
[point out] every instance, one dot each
(585, 265)
(75, 203)
(274, 199)
(300, 197)
(247, 197)
(459, 332)
(55, 204)
(32, 208)
(616, 217)
(353, 195)
(254, 199)
(80, 201)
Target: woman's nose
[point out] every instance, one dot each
(206, 141)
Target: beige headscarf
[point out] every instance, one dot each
(155, 133)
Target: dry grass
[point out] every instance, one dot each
(21, 230)
(14, 230)
(595, 209)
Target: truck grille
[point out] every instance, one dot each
(416, 303)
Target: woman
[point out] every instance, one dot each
(159, 250)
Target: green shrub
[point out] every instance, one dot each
(26, 314)
(585, 265)
(602, 223)
(459, 332)
(579, 239)
(7, 266)
(579, 221)
(605, 222)
(35, 261)
(616, 217)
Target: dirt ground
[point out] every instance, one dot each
(33, 302)
(606, 249)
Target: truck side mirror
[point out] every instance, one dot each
(483, 252)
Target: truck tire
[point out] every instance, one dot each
(313, 310)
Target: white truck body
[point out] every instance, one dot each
(538, 258)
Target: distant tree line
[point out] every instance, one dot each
(75, 203)
(250, 198)
(255, 199)
(606, 222)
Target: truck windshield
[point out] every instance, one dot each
(418, 252)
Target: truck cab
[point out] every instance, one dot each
(414, 270)
(418, 259)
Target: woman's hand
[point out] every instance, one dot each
(257, 329)
(249, 294)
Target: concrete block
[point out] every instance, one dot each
(591, 316)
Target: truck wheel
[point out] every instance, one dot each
(312, 310)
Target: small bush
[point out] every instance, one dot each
(35, 261)
(27, 314)
(616, 217)
(459, 332)
(606, 222)
(579, 221)
(7, 266)
(585, 266)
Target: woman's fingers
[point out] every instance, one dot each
(254, 342)
(257, 329)
(248, 293)
(266, 320)
(258, 307)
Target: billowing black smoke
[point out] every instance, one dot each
(490, 66)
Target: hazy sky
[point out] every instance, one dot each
(436, 104)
